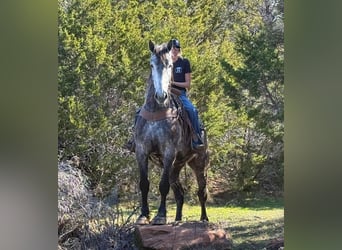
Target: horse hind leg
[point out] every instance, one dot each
(178, 192)
(199, 167)
(202, 194)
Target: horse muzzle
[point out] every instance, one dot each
(161, 98)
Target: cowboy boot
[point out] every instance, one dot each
(197, 142)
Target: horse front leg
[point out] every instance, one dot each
(164, 188)
(144, 185)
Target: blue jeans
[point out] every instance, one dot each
(192, 112)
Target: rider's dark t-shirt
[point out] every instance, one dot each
(180, 68)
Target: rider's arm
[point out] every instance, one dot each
(185, 84)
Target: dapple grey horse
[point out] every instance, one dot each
(161, 136)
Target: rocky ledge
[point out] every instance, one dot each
(181, 236)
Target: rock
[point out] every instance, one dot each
(181, 236)
(276, 244)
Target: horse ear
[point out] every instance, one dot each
(151, 45)
(169, 45)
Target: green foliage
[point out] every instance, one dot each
(237, 58)
(90, 104)
(257, 87)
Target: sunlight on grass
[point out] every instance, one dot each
(226, 214)
(252, 224)
(245, 225)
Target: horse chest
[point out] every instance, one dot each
(156, 131)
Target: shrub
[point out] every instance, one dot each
(85, 222)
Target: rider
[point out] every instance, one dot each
(181, 81)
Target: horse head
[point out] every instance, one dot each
(161, 71)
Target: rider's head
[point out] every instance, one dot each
(176, 49)
(175, 44)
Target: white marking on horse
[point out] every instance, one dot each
(161, 67)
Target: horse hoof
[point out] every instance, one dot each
(205, 220)
(159, 220)
(142, 220)
(177, 223)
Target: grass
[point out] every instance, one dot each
(251, 223)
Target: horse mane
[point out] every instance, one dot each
(160, 52)
(161, 49)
